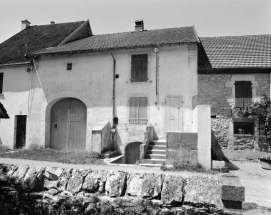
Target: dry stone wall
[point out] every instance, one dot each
(34, 190)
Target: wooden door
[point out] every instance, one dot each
(20, 131)
(68, 125)
(174, 119)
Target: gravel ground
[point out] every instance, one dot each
(257, 182)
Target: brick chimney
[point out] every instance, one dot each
(25, 24)
(139, 25)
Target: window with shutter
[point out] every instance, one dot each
(139, 65)
(138, 110)
(1, 82)
(243, 93)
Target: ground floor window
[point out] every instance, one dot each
(138, 110)
(244, 128)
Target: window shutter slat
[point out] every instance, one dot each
(247, 90)
(133, 110)
(142, 116)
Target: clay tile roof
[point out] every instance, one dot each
(34, 38)
(3, 112)
(125, 40)
(253, 51)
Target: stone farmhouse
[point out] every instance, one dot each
(233, 72)
(68, 89)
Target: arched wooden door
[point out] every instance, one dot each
(68, 125)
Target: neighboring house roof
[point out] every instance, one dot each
(3, 112)
(235, 52)
(126, 40)
(37, 37)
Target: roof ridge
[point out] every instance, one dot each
(56, 23)
(142, 31)
(253, 35)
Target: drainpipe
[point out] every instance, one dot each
(156, 50)
(114, 84)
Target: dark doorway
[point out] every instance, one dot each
(20, 131)
(132, 152)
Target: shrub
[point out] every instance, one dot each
(3, 148)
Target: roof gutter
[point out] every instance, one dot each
(15, 64)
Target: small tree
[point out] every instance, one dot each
(259, 110)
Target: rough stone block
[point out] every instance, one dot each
(18, 175)
(30, 180)
(115, 183)
(53, 173)
(50, 184)
(172, 189)
(75, 182)
(63, 179)
(203, 189)
(233, 193)
(177, 140)
(218, 164)
(95, 181)
(145, 185)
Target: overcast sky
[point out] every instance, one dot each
(210, 17)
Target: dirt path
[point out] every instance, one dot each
(257, 182)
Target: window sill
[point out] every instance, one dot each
(243, 135)
(136, 81)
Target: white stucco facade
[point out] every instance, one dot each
(171, 72)
(15, 98)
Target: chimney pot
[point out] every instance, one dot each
(25, 24)
(139, 25)
(52, 22)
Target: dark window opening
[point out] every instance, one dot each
(138, 110)
(55, 125)
(244, 128)
(243, 94)
(139, 65)
(69, 66)
(1, 82)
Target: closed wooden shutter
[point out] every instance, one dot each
(133, 118)
(139, 67)
(247, 93)
(142, 110)
(1, 82)
(243, 93)
(138, 110)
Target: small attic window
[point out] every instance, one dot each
(69, 66)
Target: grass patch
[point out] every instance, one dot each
(192, 168)
(73, 157)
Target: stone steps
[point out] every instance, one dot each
(156, 154)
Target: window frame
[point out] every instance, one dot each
(135, 74)
(1, 82)
(245, 128)
(143, 109)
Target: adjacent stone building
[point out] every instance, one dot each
(233, 72)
